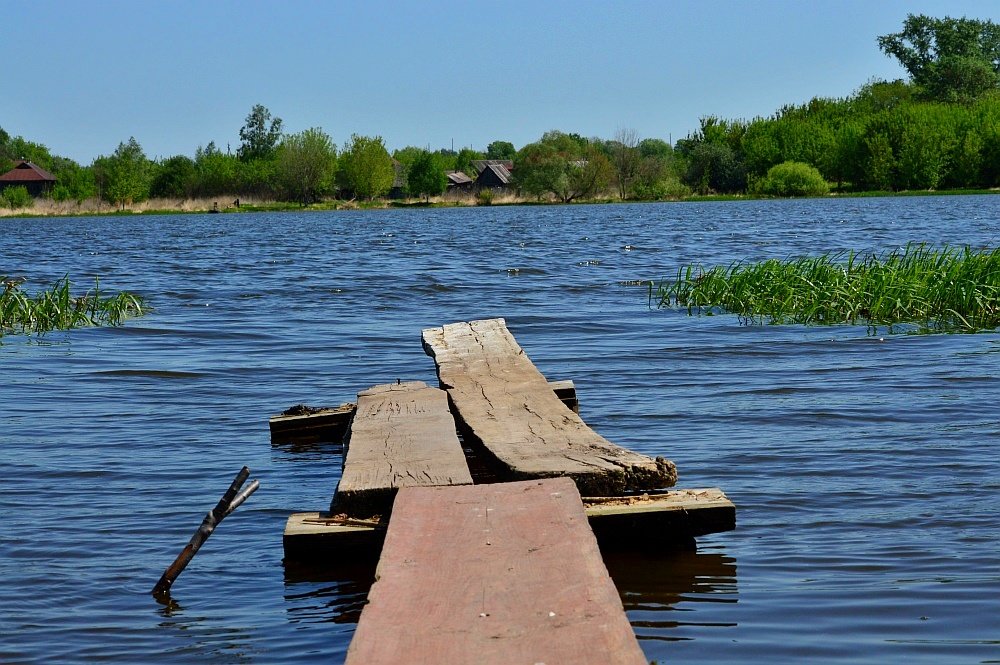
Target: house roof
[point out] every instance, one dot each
(25, 171)
(481, 164)
(458, 178)
(499, 170)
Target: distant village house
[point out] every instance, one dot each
(493, 173)
(34, 178)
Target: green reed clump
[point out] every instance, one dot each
(58, 309)
(943, 289)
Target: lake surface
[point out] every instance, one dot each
(865, 467)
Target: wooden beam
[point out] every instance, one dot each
(303, 424)
(507, 406)
(484, 574)
(669, 519)
(402, 435)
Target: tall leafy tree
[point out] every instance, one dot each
(125, 175)
(366, 168)
(307, 162)
(951, 59)
(425, 176)
(174, 178)
(260, 134)
(500, 150)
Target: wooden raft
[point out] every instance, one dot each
(402, 435)
(504, 573)
(508, 407)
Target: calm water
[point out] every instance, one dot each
(865, 468)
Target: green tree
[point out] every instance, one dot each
(464, 159)
(216, 172)
(366, 168)
(951, 59)
(306, 165)
(74, 181)
(125, 175)
(500, 150)
(175, 178)
(425, 176)
(713, 167)
(259, 135)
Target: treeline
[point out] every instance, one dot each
(941, 129)
(882, 138)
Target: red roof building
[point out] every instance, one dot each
(33, 178)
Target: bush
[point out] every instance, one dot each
(17, 197)
(484, 197)
(793, 179)
(663, 190)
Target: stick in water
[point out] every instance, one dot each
(229, 502)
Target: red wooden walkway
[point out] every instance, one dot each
(482, 574)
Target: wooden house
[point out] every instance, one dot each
(34, 178)
(494, 176)
(458, 181)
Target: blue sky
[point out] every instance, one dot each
(82, 76)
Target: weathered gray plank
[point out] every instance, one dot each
(303, 424)
(402, 435)
(509, 407)
(492, 574)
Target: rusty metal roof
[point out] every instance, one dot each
(24, 171)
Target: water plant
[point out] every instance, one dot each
(935, 290)
(58, 309)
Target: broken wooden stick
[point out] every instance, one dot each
(229, 502)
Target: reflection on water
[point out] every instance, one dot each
(661, 591)
(336, 591)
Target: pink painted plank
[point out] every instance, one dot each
(493, 574)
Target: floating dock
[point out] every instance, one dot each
(469, 496)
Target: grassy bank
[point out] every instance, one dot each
(93, 207)
(58, 309)
(932, 290)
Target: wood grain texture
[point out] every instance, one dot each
(509, 408)
(402, 435)
(492, 574)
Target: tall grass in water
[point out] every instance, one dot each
(57, 309)
(942, 290)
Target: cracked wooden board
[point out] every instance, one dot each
(492, 574)
(403, 435)
(508, 407)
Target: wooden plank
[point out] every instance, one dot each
(322, 536)
(304, 424)
(402, 435)
(669, 519)
(507, 406)
(492, 574)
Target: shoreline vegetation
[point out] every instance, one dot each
(914, 289)
(97, 208)
(58, 309)
(938, 132)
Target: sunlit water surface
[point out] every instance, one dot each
(865, 467)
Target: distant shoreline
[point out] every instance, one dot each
(226, 205)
